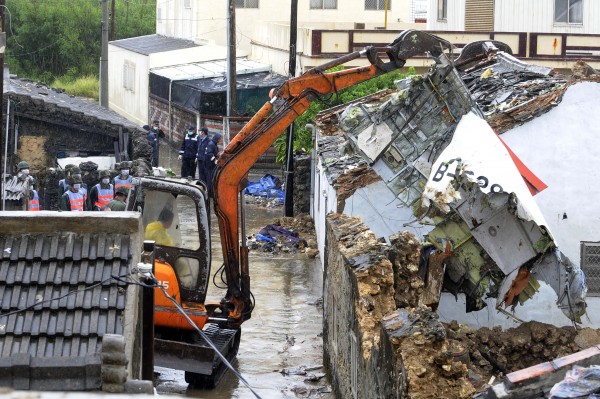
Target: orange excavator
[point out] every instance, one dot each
(175, 216)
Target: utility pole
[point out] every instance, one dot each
(231, 61)
(113, 34)
(104, 57)
(289, 175)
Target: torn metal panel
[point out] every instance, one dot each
(431, 146)
(478, 181)
(402, 135)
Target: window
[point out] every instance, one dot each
(246, 3)
(442, 10)
(159, 14)
(187, 3)
(590, 264)
(568, 11)
(129, 76)
(323, 4)
(377, 4)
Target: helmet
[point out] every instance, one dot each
(75, 179)
(70, 166)
(22, 165)
(75, 170)
(104, 173)
(191, 127)
(122, 190)
(125, 165)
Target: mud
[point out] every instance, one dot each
(493, 352)
(351, 181)
(430, 364)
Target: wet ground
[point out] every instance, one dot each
(281, 345)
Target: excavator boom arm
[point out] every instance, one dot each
(288, 102)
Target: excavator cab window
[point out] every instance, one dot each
(174, 216)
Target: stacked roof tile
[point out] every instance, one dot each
(58, 298)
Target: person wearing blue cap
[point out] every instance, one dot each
(202, 144)
(210, 159)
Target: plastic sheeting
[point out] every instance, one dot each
(268, 186)
(580, 382)
(208, 95)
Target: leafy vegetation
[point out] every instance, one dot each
(86, 86)
(61, 39)
(303, 136)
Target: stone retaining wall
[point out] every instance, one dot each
(372, 348)
(302, 165)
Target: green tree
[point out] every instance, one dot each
(48, 39)
(303, 136)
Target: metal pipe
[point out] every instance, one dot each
(5, 155)
(243, 217)
(148, 314)
(387, 3)
(170, 118)
(313, 166)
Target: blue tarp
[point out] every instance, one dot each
(268, 186)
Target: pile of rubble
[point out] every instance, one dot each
(286, 235)
(493, 352)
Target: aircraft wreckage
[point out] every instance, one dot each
(430, 144)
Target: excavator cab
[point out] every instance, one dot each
(175, 216)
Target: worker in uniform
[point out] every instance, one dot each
(33, 204)
(157, 230)
(201, 155)
(118, 203)
(158, 134)
(188, 153)
(76, 172)
(102, 193)
(123, 179)
(62, 183)
(210, 160)
(27, 182)
(74, 199)
(153, 140)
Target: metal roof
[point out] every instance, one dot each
(209, 69)
(151, 44)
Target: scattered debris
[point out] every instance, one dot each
(266, 192)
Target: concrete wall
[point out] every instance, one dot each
(538, 16)
(302, 188)
(132, 104)
(518, 16)
(455, 16)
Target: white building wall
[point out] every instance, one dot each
(133, 105)
(560, 148)
(210, 18)
(324, 202)
(538, 16)
(518, 16)
(455, 19)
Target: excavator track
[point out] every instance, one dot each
(228, 343)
